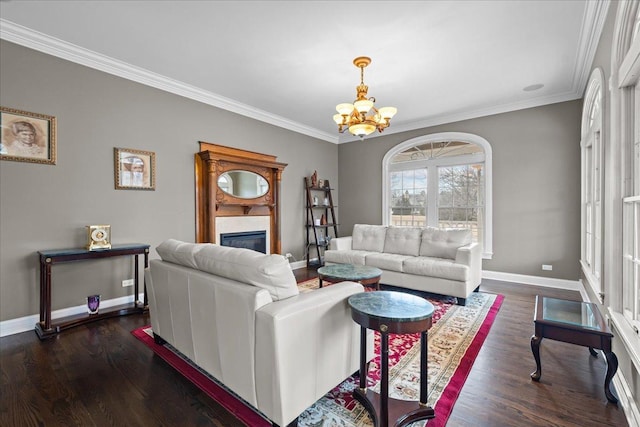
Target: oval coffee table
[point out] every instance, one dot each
(363, 274)
(391, 313)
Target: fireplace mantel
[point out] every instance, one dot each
(211, 202)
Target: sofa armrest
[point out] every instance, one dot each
(308, 340)
(341, 243)
(471, 256)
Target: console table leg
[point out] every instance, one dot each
(612, 367)
(535, 349)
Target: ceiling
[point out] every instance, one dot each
(290, 62)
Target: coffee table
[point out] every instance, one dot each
(577, 323)
(363, 274)
(391, 313)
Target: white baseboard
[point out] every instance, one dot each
(23, 324)
(298, 264)
(28, 323)
(572, 285)
(629, 406)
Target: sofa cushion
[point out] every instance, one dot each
(346, 256)
(270, 272)
(368, 237)
(436, 267)
(181, 253)
(403, 240)
(391, 262)
(443, 243)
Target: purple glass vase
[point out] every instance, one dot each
(93, 304)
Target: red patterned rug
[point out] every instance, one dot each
(454, 342)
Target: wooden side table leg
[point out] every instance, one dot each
(424, 380)
(384, 379)
(535, 349)
(612, 367)
(363, 358)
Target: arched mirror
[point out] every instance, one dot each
(243, 184)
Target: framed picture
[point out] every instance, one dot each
(27, 137)
(134, 169)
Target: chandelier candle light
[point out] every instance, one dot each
(362, 117)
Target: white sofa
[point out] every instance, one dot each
(237, 314)
(442, 261)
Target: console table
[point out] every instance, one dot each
(396, 313)
(577, 323)
(47, 327)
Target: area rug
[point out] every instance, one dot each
(454, 342)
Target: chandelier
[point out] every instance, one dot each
(362, 117)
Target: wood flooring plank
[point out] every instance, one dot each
(99, 374)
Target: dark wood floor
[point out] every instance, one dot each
(100, 375)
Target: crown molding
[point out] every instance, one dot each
(467, 115)
(595, 15)
(35, 40)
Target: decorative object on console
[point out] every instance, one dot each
(93, 304)
(321, 183)
(134, 169)
(98, 237)
(27, 137)
(354, 116)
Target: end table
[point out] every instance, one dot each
(398, 313)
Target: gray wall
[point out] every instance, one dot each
(536, 186)
(47, 207)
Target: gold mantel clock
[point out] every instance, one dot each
(98, 237)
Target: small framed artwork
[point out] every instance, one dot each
(134, 169)
(27, 137)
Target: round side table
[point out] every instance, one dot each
(397, 313)
(363, 274)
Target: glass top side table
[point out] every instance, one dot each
(573, 322)
(391, 312)
(363, 274)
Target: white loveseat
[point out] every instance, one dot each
(442, 261)
(237, 314)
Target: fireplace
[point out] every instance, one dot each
(256, 240)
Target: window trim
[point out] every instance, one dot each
(442, 137)
(592, 130)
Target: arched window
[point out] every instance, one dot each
(440, 180)
(591, 177)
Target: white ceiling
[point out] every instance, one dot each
(290, 62)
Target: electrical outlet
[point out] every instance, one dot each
(547, 267)
(128, 282)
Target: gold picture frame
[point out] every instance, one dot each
(27, 137)
(134, 169)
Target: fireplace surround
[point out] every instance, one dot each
(215, 206)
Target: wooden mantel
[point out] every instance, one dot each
(211, 202)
